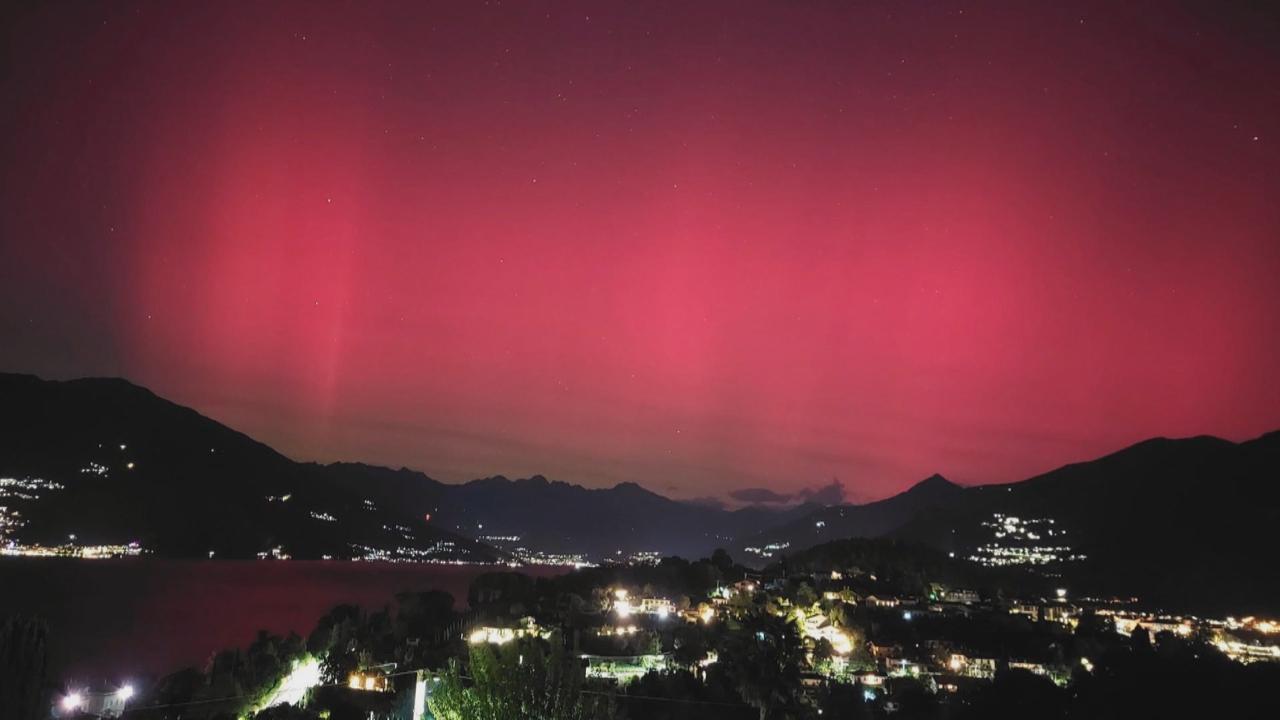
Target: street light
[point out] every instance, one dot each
(125, 692)
(71, 701)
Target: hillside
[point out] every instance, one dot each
(871, 520)
(1186, 523)
(136, 467)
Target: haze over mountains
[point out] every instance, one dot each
(1187, 521)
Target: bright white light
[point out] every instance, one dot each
(72, 701)
(840, 642)
(663, 612)
(419, 697)
(125, 692)
(1062, 593)
(906, 614)
(623, 607)
(304, 676)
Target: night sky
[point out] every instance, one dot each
(700, 246)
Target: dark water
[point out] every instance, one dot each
(137, 618)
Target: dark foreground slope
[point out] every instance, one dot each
(1187, 523)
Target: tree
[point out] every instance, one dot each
(690, 644)
(720, 560)
(681, 695)
(804, 595)
(844, 701)
(524, 680)
(1016, 694)
(422, 614)
(1140, 640)
(763, 659)
(23, 663)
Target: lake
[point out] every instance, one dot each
(114, 619)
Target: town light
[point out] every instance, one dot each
(623, 607)
(125, 692)
(1062, 593)
(71, 701)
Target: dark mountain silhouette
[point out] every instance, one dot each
(197, 486)
(561, 517)
(1187, 523)
(844, 521)
(136, 467)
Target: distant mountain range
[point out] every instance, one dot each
(135, 467)
(874, 519)
(1189, 522)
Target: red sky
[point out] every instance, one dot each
(701, 246)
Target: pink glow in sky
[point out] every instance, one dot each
(699, 246)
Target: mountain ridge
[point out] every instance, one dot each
(57, 429)
(1182, 520)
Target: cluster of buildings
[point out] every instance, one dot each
(26, 488)
(72, 549)
(499, 635)
(642, 557)
(526, 556)
(909, 637)
(1245, 641)
(521, 554)
(1023, 541)
(768, 551)
(441, 552)
(15, 492)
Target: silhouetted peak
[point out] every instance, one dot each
(934, 483)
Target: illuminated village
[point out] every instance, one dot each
(676, 632)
